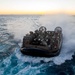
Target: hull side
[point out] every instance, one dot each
(39, 52)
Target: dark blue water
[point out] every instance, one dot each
(13, 62)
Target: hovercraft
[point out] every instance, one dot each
(42, 43)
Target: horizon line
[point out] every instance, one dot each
(36, 12)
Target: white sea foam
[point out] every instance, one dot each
(23, 25)
(68, 26)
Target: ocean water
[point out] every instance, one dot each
(12, 30)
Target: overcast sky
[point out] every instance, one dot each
(37, 5)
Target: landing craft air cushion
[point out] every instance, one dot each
(42, 43)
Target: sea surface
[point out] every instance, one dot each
(12, 30)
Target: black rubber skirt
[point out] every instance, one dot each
(39, 52)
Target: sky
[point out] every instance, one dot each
(37, 6)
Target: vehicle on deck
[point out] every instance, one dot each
(42, 43)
